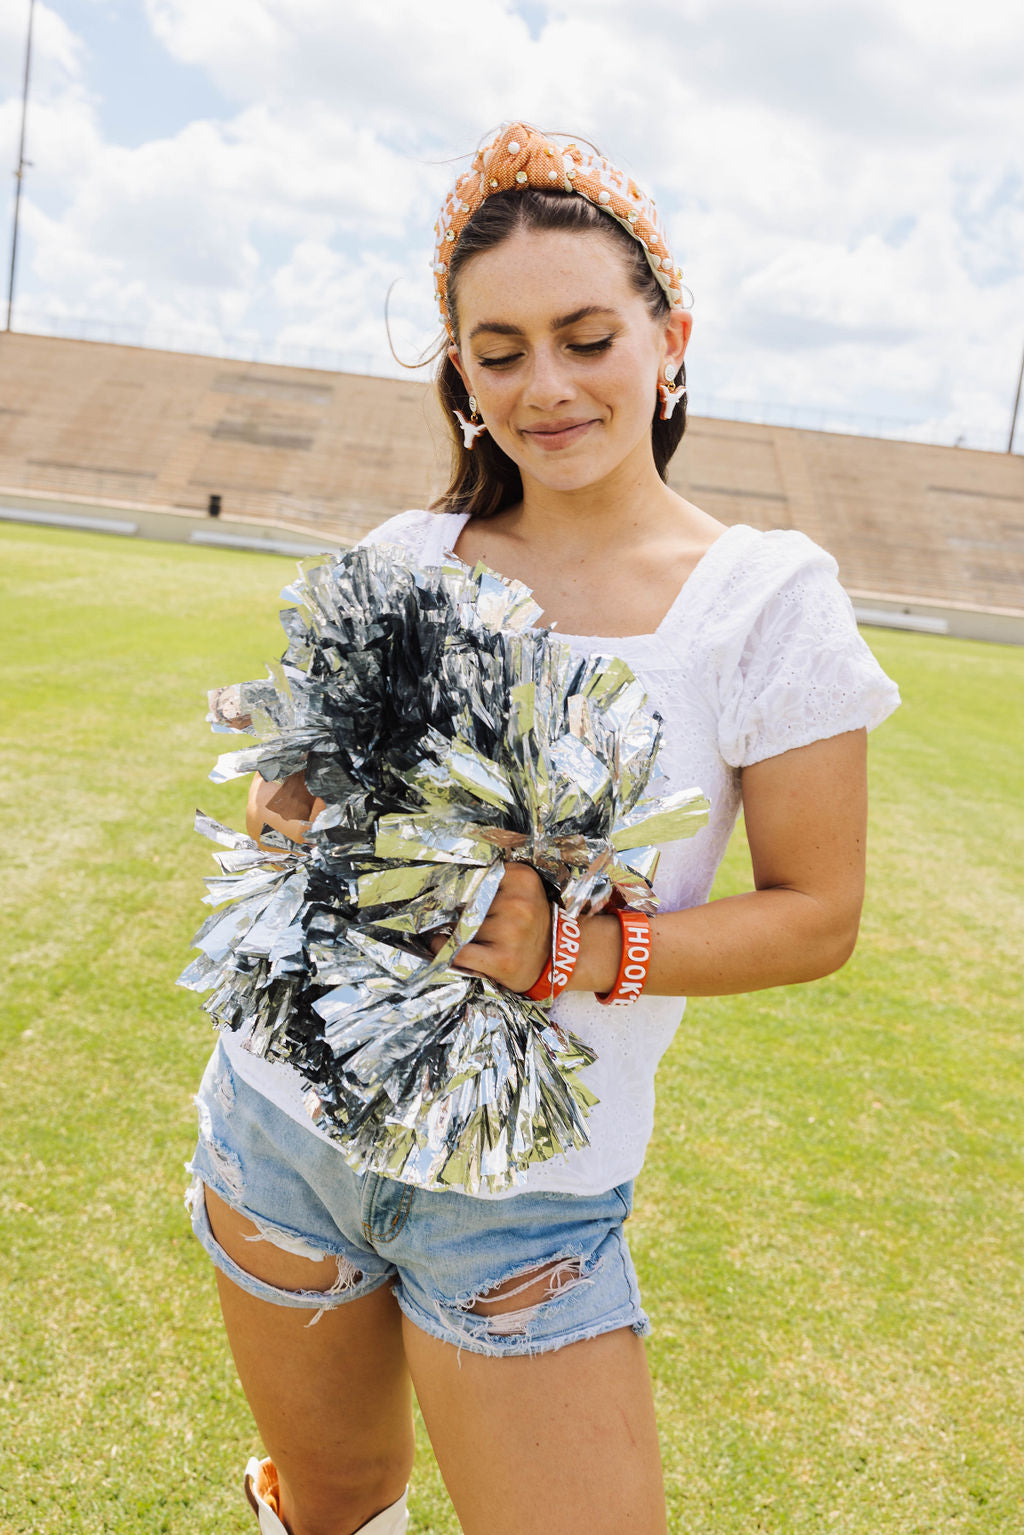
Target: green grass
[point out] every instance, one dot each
(828, 1229)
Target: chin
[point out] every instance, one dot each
(567, 477)
(574, 475)
(575, 469)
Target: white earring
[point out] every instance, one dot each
(671, 394)
(472, 428)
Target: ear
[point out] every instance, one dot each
(456, 362)
(677, 335)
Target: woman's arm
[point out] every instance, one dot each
(806, 822)
(287, 806)
(805, 814)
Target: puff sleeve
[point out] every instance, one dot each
(408, 529)
(794, 668)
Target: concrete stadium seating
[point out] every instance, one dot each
(915, 528)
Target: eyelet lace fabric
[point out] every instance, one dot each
(758, 654)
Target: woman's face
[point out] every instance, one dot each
(563, 355)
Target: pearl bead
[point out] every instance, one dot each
(604, 197)
(513, 147)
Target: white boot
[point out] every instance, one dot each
(262, 1491)
(261, 1488)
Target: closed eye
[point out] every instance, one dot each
(581, 348)
(591, 348)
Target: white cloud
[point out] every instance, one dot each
(235, 40)
(400, 67)
(57, 54)
(844, 183)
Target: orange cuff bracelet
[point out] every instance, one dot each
(635, 961)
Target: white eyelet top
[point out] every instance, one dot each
(758, 654)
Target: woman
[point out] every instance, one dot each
(517, 1319)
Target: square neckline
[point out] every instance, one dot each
(681, 600)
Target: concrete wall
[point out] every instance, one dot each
(930, 535)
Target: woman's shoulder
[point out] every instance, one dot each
(747, 569)
(408, 529)
(424, 536)
(755, 553)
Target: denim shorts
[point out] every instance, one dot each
(442, 1253)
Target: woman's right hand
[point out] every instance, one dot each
(287, 806)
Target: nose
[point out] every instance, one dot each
(548, 384)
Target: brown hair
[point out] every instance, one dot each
(484, 480)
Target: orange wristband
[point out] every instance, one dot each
(635, 960)
(540, 991)
(565, 951)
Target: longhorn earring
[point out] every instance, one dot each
(671, 393)
(472, 428)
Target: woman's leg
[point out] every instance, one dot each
(332, 1401)
(560, 1443)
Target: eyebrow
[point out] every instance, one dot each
(500, 328)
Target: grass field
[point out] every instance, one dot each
(829, 1229)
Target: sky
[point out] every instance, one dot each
(842, 181)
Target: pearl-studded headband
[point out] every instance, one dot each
(522, 157)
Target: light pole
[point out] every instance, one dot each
(22, 162)
(1016, 405)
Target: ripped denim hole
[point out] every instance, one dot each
(227, 1165)
(347, 1278)
(223, 1158)
(348, 1275)
(224, 1092)
(205, 1122)
(288, 1241)
(561, 1275)
(194, 1192)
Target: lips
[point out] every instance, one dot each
(557, 434)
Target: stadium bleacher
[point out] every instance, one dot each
(926, 537)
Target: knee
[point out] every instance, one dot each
(342, 1500)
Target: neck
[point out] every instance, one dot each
(633, 500)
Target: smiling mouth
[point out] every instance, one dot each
(557, 434)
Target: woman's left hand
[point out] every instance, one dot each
(514, 940)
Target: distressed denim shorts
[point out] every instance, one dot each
(442, 1253)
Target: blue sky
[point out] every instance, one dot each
(140, 91)
(844, 183)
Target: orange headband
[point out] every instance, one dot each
(522, 157)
